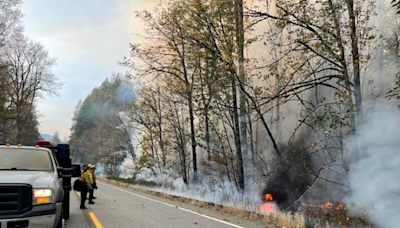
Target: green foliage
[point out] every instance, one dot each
(145, 161)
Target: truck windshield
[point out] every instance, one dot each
(25, 159)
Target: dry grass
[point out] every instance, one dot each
(336, 216)
(287, 220)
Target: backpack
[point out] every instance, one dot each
(78, 185)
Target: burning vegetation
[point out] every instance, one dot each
(293, 189)
(269, 206)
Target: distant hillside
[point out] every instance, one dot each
(47, 137)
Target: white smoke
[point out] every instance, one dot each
(126, 92)
(375, 177)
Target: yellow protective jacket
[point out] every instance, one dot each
(94, 177)
(87, 179)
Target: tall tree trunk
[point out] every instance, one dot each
(192, 135)
(356, 58)
(180, 133)
(160, 122)
(183, 154)
(243, 109)
(208, 137)
(237, 134)
(19, 123)
(278, 110)
(207, 103)
(251, 133)
(153, 151)
(205, 82)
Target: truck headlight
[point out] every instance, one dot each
(42, 196)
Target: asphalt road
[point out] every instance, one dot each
(120, 207)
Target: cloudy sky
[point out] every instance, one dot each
(88, 38)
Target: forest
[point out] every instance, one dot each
(246, 102)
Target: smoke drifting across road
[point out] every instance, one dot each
(375, 176)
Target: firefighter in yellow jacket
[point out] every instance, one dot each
(93, 180)
(87, 185)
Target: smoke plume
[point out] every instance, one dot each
(374, 177)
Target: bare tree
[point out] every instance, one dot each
(168, 57)
(10, 20)
(29, 70)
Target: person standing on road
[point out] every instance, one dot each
(87, 185)
(93, 171)
(91, 179)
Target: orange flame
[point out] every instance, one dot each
(327, 205)
(269, 197)
(341, 206)
(269, 207)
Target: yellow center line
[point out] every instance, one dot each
(95, 220)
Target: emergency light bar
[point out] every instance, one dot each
(43, 143)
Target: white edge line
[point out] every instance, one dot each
(180, 208)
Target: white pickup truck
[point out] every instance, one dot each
(34, 187)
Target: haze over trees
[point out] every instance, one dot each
(25, 74)
(56, 138)
(100, 129)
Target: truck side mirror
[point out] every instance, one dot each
(60, 171)
(75, 170)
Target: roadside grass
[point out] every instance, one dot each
(338, 216)
(310, 217)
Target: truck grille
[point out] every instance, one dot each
(15, 200)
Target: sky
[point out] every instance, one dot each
(88, 38)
